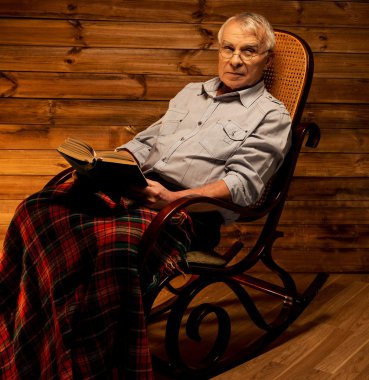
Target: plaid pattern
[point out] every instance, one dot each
(70, 296)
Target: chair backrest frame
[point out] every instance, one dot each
(292, 88)
(289, 77)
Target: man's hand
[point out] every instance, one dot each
(155, 195)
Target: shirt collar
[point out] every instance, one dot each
(246, 96)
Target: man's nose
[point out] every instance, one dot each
(236, 60)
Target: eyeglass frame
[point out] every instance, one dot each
(243, 59)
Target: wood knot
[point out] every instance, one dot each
(72, 7)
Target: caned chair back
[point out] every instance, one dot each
(289, 77)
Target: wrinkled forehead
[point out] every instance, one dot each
(237, 33)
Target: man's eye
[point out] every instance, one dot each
(248, 53)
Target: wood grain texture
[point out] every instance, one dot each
(329, 341)
(103, 71)
(349, 13)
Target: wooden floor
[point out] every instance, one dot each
(330, 340)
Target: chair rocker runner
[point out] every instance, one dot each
(289, 80)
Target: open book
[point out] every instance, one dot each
(109, 170)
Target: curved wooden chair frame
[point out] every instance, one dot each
(289, 80)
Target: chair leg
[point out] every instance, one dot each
(154, 312)
(183, 310)
(215, 361)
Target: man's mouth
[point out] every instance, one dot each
(234, 73)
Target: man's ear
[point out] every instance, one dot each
(270, 59)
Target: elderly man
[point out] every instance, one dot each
(223, 138)
(70, 295)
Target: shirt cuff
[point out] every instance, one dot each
(242, 194)
(139, 150)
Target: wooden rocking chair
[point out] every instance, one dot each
(289, 80)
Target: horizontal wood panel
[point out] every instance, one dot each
(334, 216)
(162, 35)
(342, 223)
(297, 244)
(339, 65)
(332, 140)
(282, 12)
(302, 188)
(126, 11)
(17, 188)
(125, 113)
(333, 165)
(114, 112)
(153, 61)
(81, 112)
(334, 226)
(308, 188)
(107, 60)
(303, 248)
(108, 34)
(331, 90)
(50, 137)
(325, 212)
(37, 162)
(323, 259)
(337, 115)
(155, 87)
(306, 259)
(305, 237)
(92, 86)
(344, 140)
(334, 40)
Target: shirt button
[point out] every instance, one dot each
(199, 123)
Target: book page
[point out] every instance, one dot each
(77, 149)
(119, 157)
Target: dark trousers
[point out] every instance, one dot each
(206, 225)
(206, 230)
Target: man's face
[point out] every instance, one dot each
(235, 72)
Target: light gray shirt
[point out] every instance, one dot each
(239, 137)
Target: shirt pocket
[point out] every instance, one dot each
(171, 120)
(224, 139)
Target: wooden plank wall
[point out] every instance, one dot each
(104, 70)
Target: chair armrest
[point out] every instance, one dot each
(196, 201)
(60, 177)
(313, 132)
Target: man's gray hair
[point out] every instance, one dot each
(256, 23)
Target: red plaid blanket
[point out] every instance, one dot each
(70, 296)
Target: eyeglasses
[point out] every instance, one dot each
(245, 55)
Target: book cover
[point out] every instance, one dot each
(115, 170)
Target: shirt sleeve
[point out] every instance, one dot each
(249, 169)
(142, 143)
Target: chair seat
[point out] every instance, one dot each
(205, 257)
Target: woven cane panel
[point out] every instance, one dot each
(286, 77)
